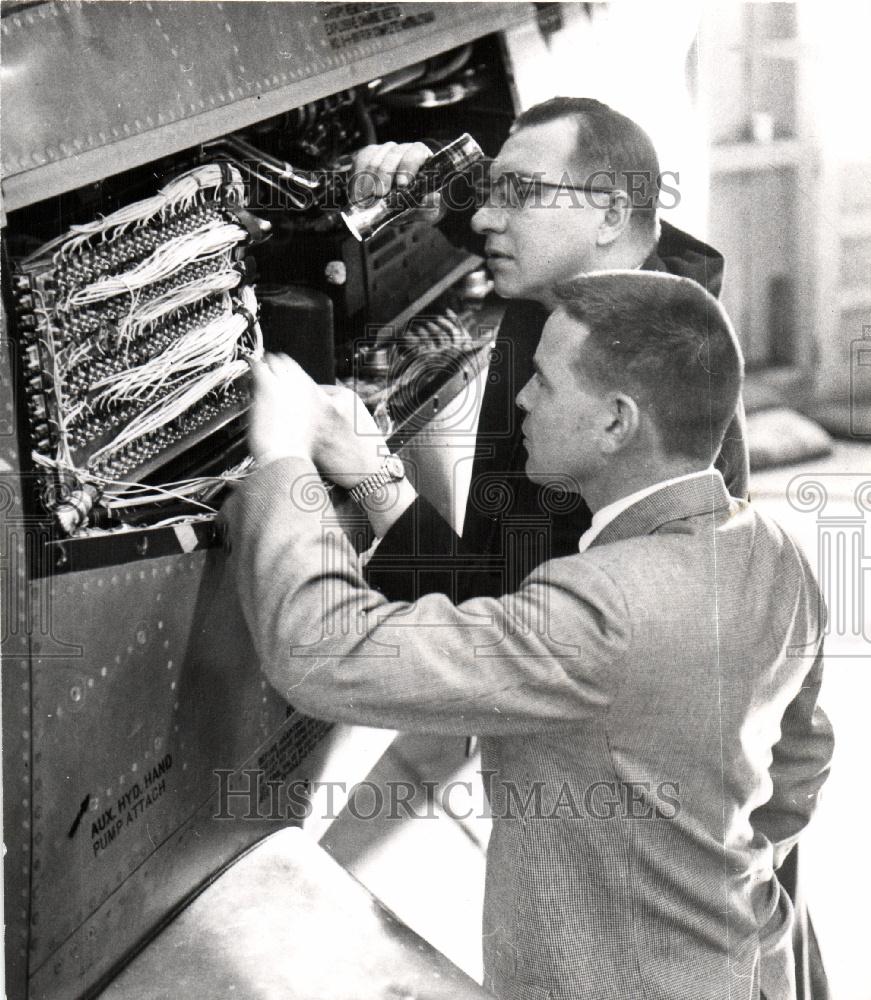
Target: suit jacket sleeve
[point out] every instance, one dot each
(799, 767)
(543, 658)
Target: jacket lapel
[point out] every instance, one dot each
(690, 498)
(510, 368)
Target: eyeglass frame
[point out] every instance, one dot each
(535, 185)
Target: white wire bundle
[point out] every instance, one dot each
(118, 494)
(167, 408)
(215, 343)
(177, 196)
(207, 357)
(179, 399)
(141, 317)
(67, 359)
(207, 241)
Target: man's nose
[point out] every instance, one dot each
(488, 220)
(522, 399)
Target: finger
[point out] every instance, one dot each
(450, 333)
(378, 168)
(285, 363)
(272, 365)
(289, 366)
(381, 167)
(341, 392)
(456, 319)
(399, 163)
(454, 332)
(413, 157)
(424, 335)
(443, 329)
(362, 158)
(277, 364)
(431, 338)
(340, 398)
(363, 184)
(261, 373)
(293, 377)
(461, 334)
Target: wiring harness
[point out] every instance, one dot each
(136, 330)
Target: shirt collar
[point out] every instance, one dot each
(602, 518)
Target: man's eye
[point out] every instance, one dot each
(508, 190)
(489, 186)
(482, 187)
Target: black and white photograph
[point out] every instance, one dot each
(435, 499)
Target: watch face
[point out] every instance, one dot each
(394, 467)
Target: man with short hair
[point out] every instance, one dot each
(573, 190)
(651, 743)
(592, 205)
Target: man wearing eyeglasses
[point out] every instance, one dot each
(573, 190)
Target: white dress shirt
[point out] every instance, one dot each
(607, 514)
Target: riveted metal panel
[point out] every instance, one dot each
(149, 79)
(143, 662)
(287, 897)
(143, 683)
(16, 681)
(124, 687)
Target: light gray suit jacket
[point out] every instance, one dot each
(651, 740)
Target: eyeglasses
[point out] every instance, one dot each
(514, 190)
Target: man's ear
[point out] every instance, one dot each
(624, 421)
(616, 219)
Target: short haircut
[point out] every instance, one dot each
(667, 343)
(609, 141)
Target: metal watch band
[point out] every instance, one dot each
(390, 472)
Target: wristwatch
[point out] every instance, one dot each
(392, 471)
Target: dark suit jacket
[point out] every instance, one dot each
(651, 741)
